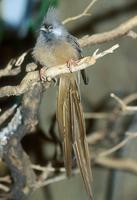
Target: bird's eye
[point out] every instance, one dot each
(50, 28)
(47, 28)
(44, 28)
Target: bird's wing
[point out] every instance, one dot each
(74, 42)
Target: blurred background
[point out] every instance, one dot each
(117, 73)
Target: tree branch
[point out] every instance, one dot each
(28, 82)
(7, 113)
(128, 165)
(33, 77)
(129, 136)
(121, 30)
(125, 108)
(8, 69)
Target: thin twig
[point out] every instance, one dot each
(129, 136)
(48, 168)
(4, 188)
(5, 179)
(8, 71)
(54, 179)
(13, 68)
(108, 51)
(7, 113)
(130, 98)
(99, 115)
(124, 107)
(95, 137)
(83, 14)
(128, 165)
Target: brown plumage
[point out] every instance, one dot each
(54, 48)
(72, 128)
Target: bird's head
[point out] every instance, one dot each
(51, 27)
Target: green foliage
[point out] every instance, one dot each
(45, 4)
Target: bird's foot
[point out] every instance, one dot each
(71, 63)
(44, 78)
(42, 74)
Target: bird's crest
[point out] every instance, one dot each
(51, 16)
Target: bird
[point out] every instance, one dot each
(55, 46)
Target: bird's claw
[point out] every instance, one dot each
(42, 73)
(71, 63)
(45, 78)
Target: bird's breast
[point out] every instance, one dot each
(55, 54)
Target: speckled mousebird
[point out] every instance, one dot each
(55, 46)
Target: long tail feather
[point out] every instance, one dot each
(64, 122)
(72, 129)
